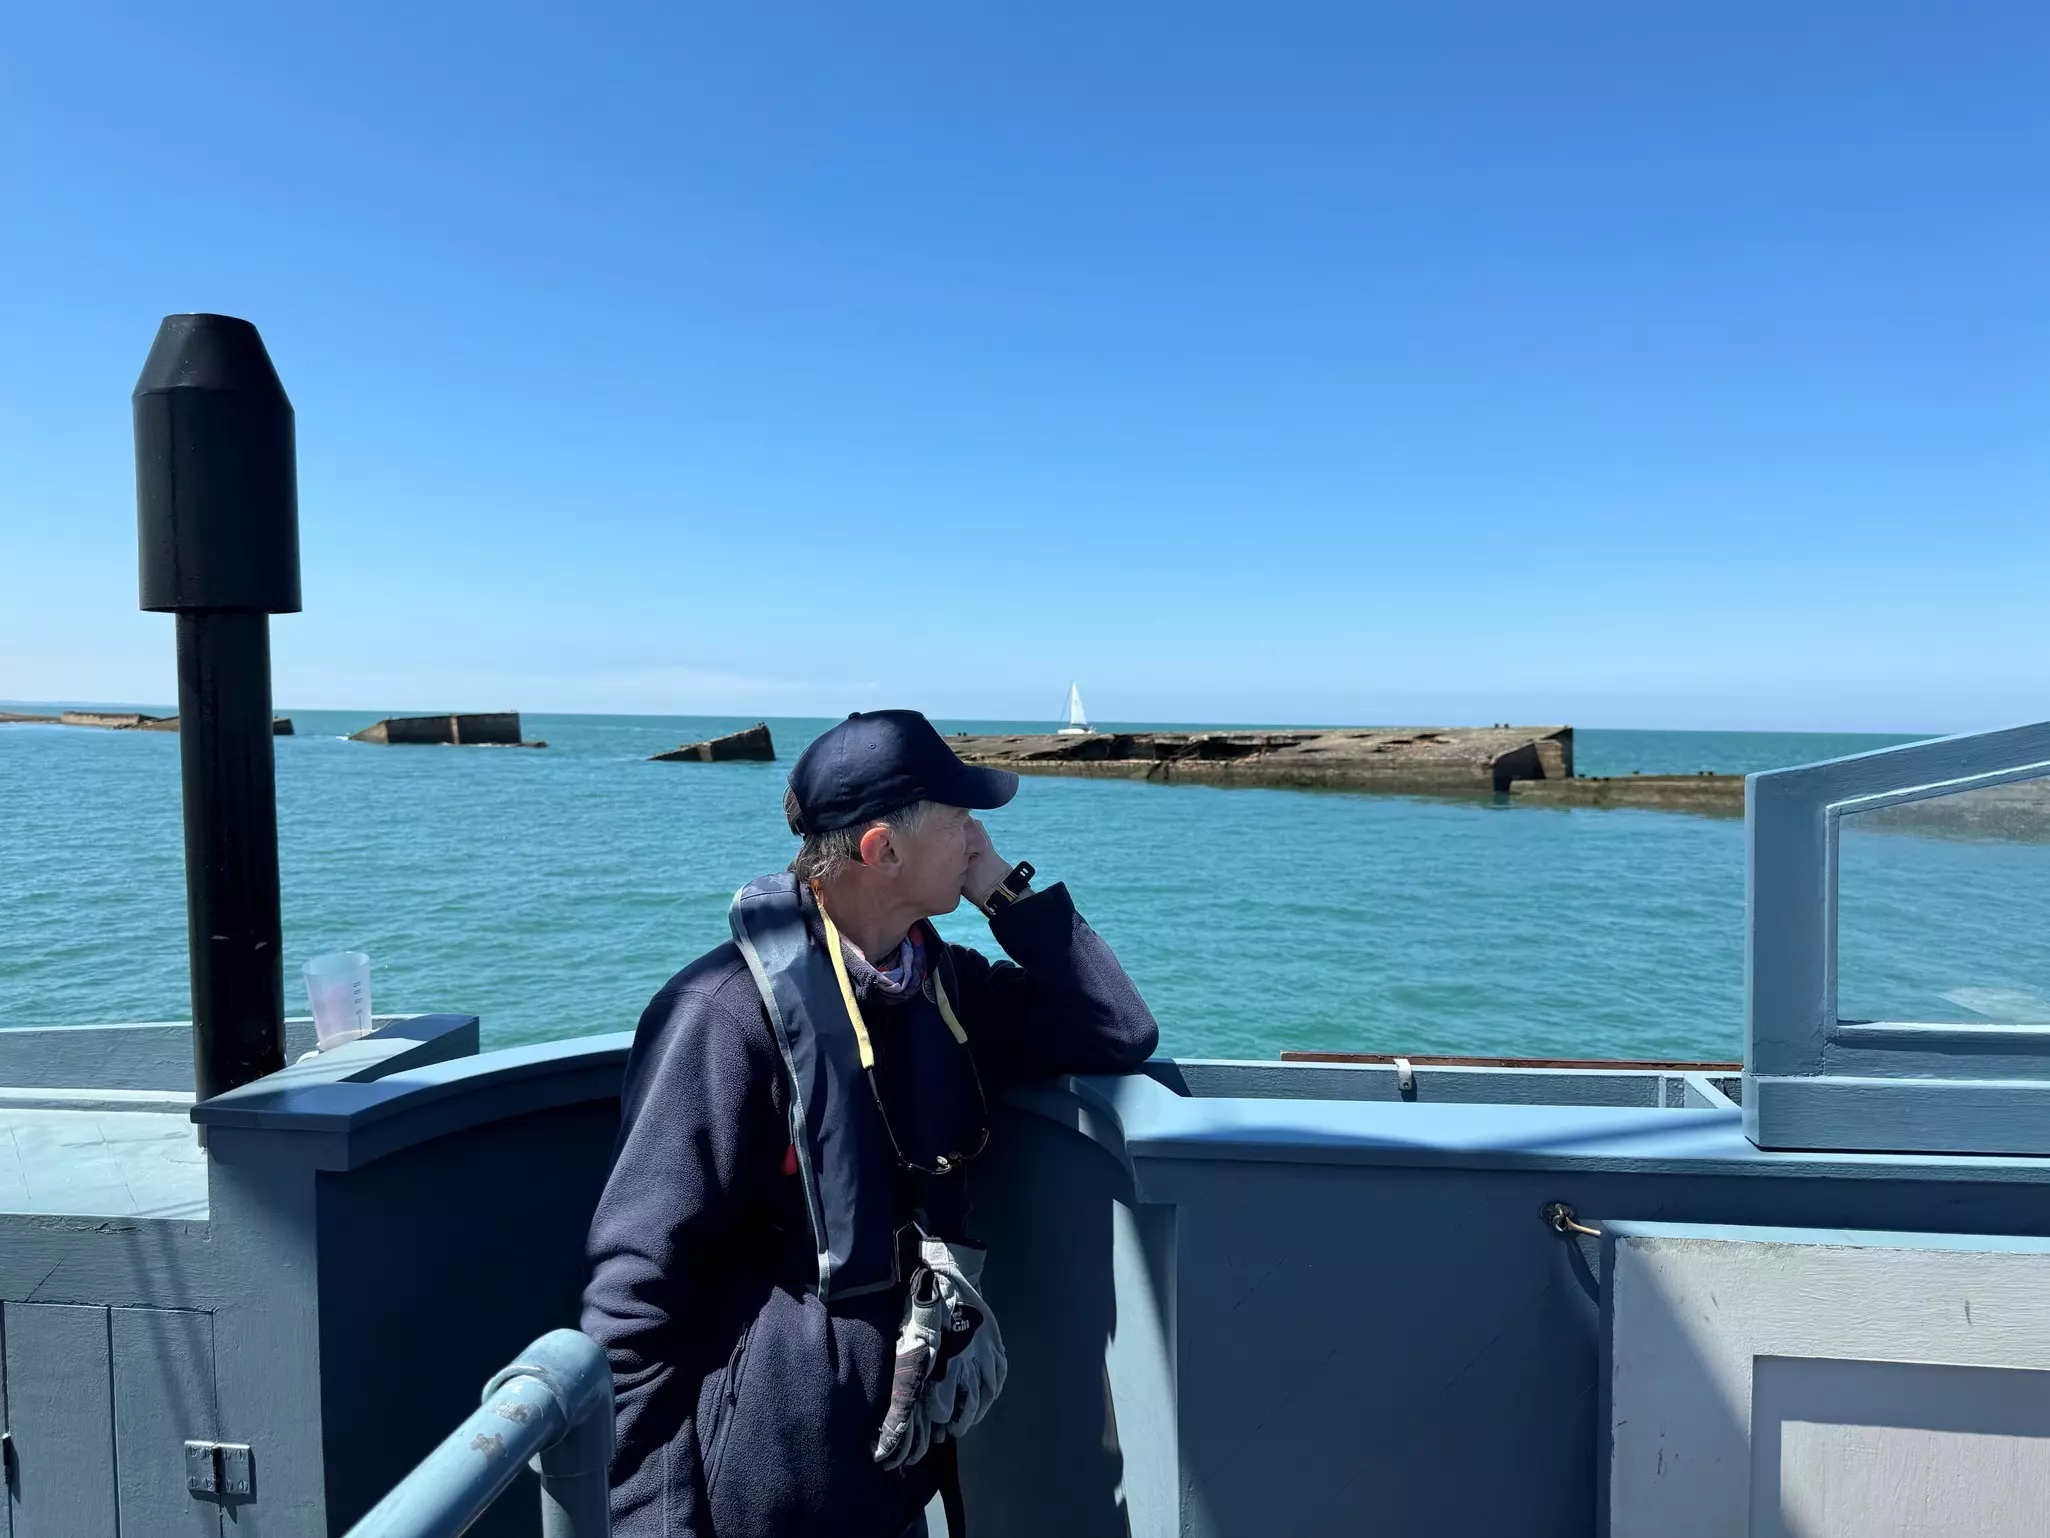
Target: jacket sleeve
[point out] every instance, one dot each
(1061, 1004)
(696, 1135)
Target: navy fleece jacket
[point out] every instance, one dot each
(747, 1408)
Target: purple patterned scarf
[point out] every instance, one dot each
(906, 970)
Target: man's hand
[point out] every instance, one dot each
(986, 868)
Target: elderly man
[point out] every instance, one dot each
(782, 1271)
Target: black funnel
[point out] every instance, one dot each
(216, 473)
(217, 512)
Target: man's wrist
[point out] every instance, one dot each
(1015, 885)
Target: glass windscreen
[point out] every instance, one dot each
(1943, 909)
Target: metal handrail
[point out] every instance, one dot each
(553, 1404)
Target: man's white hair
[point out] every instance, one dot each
(825, 855)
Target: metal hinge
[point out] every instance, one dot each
(220, 1470)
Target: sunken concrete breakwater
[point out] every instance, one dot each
(1710, 795)
(750, 746)
(1532, 764)
(2018, 812)
(1461, 760)
(485, 729)
(120, 721)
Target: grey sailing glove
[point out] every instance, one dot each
(907, 1430)
(971, 1365)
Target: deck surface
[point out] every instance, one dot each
(101, 1163)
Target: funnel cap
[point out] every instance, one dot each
(216, 472)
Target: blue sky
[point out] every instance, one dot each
(1606, 363)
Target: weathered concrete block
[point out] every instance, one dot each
(134, 721)
(280, 726)
(497, 729)
(1710, 795)
(752, 745)
(117, 720)
(1444, 760)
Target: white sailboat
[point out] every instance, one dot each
(1077, 723)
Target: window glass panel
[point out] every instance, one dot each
(1943, 909)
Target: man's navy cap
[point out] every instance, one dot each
(879, 761)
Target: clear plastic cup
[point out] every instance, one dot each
(338, 987)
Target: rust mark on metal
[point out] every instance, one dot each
(492, 1446)
(519, 1414)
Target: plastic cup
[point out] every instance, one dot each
(338, 987)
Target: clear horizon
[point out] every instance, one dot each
(286, 708)
(1634, 369)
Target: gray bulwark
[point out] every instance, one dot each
(1241, 1298)
(96, 1134)
(151, 1297)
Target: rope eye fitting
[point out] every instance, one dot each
(1559, 1218)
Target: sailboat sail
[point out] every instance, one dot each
(1077, 721)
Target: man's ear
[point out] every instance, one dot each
(876, 847)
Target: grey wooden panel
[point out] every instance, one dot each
(1850, 1448)
(6, 1457)
(1958, 1116)
(73, 1259)
(267, 1343)
(61, 1417)
(163, 1395)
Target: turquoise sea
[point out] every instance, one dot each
(551, 892)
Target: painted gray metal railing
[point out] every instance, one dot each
(553, 1404)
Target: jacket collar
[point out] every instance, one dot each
(861, 973)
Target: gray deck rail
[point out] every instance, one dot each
(553, 1404)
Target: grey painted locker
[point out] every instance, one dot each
(99, 1404)
(7, 1443)
(163, 1397)
(60, 1419)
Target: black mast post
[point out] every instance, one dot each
(217, 515)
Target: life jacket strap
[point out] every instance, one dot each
(861, 1041)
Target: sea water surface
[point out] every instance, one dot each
(552, 891)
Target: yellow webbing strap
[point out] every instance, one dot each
(868, 1055)
(939, 992)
